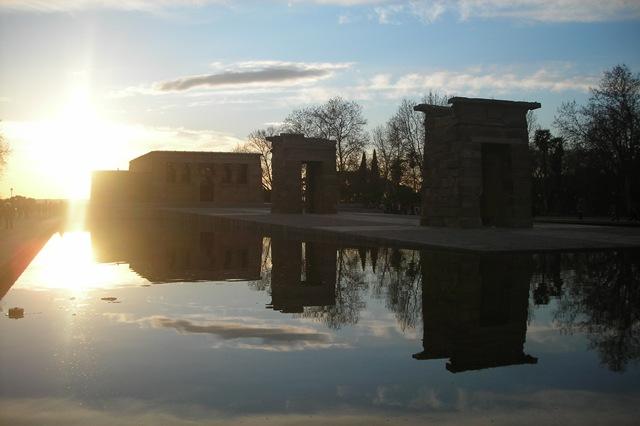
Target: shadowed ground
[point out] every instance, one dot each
(19, 245)
(384, 229)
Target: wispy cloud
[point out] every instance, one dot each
(256, 73)
(478, 81)
(387, 11)
(427, 11)
(53, 6)
(550, 10)
(386, 14)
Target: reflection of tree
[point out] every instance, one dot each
(603, 300)
(264, 284)
(399, 282)
(548, 279)
(349, 293)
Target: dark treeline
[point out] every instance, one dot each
(588, 165)
(592, 164)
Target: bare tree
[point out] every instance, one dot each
(338, 120)
(4, 152)
(608, 127)
(400, 142)
(257, 142)
(382, 143)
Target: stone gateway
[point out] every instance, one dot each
(304, 174)
(477, 167)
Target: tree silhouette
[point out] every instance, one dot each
(4, 153)
(338, 120)
(257, 142)
(607, 130)
(374, 189)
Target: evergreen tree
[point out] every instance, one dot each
(374, 189)
(361, 180)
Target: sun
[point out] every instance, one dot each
(73, 143)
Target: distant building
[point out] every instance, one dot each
(183, 178)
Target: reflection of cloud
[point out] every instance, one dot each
(227, 331)
(272, 338)
(548, 407)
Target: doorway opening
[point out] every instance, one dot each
(309, 176)
(497, 185)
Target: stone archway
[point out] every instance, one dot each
(294, 155)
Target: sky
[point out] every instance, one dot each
(91, 84)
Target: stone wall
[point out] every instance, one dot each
(221, 171)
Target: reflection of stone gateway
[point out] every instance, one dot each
(477, 164)
(475, 309)
(298, 280)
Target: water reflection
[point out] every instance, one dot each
(302, 275)
(167, 251)
(473, 309)
(286, 327)
(599, 295)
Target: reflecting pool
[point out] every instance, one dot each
(176, 322)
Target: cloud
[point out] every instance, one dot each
(479, 81)
(428, 11)
(386, 14)
(255, 74)
(550, 10)
(387, 11)
(344, 19)
(53, 6)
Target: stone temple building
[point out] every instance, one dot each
(184, 178)
(477, 169)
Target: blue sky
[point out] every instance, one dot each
(109, 80)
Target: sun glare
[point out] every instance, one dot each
(67, 262)
(64, 150)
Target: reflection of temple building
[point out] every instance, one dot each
(302, 274)
(163, 251)
(474, 309)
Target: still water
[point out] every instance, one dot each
(169, 322)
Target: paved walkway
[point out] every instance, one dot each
(587, 220)
(19, 245)
(397, 230)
